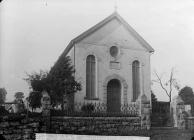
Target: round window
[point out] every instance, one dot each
(114, 51)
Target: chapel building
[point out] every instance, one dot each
(112, 63)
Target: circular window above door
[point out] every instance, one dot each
(114, 51)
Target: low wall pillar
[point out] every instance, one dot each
(145, 112)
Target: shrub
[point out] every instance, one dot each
(3, 111)
(88, 108)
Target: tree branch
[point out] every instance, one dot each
(159, 80)
(171, 81)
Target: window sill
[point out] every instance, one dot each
(86, 98)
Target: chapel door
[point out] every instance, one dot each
(113, 96)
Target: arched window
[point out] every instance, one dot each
(90, 77)
(136, 79)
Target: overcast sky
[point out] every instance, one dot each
(33, 33)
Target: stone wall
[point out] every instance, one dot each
(20, 128)
(96, 125)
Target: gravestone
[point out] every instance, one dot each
(46, 106)
(178, 110)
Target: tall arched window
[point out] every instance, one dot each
(90, 77)
(136, 79)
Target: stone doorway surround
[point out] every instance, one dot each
(124, 88)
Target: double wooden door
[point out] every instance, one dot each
(113, 96)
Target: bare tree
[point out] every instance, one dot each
(168, 85)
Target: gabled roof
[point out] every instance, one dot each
(115, 15)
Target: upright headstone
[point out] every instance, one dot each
(46, 106)
(178, 109)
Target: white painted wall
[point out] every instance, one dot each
(44, 136)
(98, 44)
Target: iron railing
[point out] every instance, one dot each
(98, 110)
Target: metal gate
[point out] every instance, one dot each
(160, 114)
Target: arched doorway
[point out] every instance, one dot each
(113, 96)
